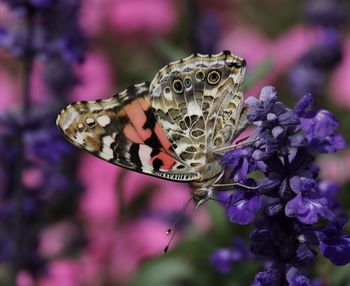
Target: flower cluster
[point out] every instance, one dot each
(42, 175)
(34, 157)
(42, 35)
(282, 183)
(44, 25)
(309, 74)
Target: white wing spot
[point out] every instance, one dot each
(107, 152)
(157, 91)
(90, 120)
(81, 126)
(167, 94)
(107, 140)
(103, 120)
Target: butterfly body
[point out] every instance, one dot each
(169, 128)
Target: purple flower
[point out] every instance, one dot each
(334, 244)
(309, 74)
(42, 142)
(295, 278)
(47, 36)
(34, 169)
(320, 127)
(279, 171)
(208, 33)
(239, 163)
(222, 259)
(330, 191)
(327, 54)
(305, 78)
(322, 124)
(260, 108)
(242, 206)
(277, 238)
(325, 12)
(270, 277)
(308, 205)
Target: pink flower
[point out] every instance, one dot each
(32, 177)
(99, 202)
(135, 242)
(92, 16)
(62, 272)
(340, 83)
(24, 278)
(335, 168)
(248, 43)
(142, 17)
(55, 238)
(94, 75)
(256, 49)
(9, 91)
(40, 93)
(96, 79)
(292, 45)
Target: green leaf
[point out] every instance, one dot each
(340, 275)
(163, 271)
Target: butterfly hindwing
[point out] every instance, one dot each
(124, 131)
(198, 103)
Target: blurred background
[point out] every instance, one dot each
(68, 218)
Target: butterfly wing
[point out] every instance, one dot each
(124, 131)
(198, 103)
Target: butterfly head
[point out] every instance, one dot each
(203, 191)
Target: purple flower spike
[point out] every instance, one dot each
(333, 244)
(290, 195)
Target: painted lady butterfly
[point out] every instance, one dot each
(175, 127)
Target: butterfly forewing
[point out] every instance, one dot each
(124, 131)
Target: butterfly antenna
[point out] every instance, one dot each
(174, 227)
(234, 146)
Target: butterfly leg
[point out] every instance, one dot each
(234, 146)
(235, 185)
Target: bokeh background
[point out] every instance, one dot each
(68, 218)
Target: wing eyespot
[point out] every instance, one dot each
(214, 77)
(167, 90)
(178, 86)
(200, 75)
(187, 82)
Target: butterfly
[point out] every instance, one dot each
(176, 127)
